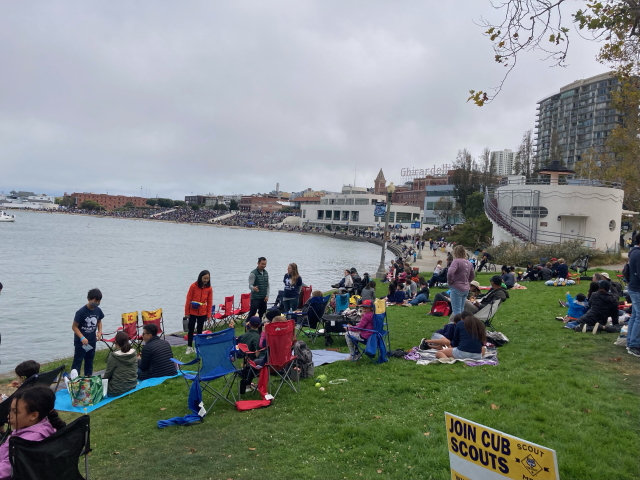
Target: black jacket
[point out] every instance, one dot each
(493, 294)
(155, 360)
(602, 305)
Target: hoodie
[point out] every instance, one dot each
(122, 372)
(37, 432)
(576, 308)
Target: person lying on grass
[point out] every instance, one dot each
(602, 305)
(577, 307)
(442, 338)
(366, 322)
(468, 341)
(31, 417)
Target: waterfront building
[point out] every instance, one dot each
(109, 202)
(261, 203)
(556, 209)
(439, 206)
(503, 162)
(575, 119)
(355, 208)
(27, 200)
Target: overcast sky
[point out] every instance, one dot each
(232, 97)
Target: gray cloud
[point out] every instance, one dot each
(233, 97)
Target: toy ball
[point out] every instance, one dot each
(318, 384)
(322, 378)
(322, 389)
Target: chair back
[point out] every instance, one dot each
(279, 341)
(245, 303)
(486, 313)
(228, 305)
(379, 324)
(54, 457)
(153, 316)
(48, 378)
(380, 305)
(6, 405)
(130, 324)
(317, 307)
(305, 294)
(215, 351)
(342, 302)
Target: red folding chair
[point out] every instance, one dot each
(154, 317)
(130, 327)
(280, 360)
(225, 312)
(244, 307)
(306, 294)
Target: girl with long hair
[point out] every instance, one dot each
(122, 367)
(292, 285)
(469, 338)
(198, 306)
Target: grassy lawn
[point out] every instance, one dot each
(555, 387)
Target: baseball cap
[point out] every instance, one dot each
(255, 321)
(554, 259)
(475, 284)
(605, 275)
(367, 304)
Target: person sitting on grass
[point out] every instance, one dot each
(442, 338)
(562, 271)
(468, 341)
(440, 278)
(32, 417)
(593, 288)
(497, 292)
(422, 295)
(602, 305)
(577, 308)
(546, 273)
(399, 295)
(366, 322)
(24, 370)
(122, 367)
(155, 359)
(508, 278)
(369, 292)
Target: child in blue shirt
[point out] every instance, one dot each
(577, 308)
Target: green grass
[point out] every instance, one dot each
(554, 387)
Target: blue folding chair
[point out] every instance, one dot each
(310, 321)
(378, 343)
(342, 302)
(215, 354)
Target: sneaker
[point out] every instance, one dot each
(634, 351)
(561, 319)
(189, 350)
(596, 327)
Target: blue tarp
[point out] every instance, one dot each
(63, 400)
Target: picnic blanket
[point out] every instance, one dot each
(324, 357)
(63, 400)
(428, 357)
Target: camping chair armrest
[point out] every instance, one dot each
(113, 333)
(245, 349)
(178, 362)
(361, 329)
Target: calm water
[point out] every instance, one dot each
(48, 262)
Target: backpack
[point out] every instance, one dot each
(440, 309)
(305, 359)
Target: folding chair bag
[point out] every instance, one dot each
(86, 391)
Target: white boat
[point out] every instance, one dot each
(5, 217)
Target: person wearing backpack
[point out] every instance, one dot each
(633, 328)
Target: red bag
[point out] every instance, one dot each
(440, 309)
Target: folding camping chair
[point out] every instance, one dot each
(342, 302)
(52, 378)
(244, 307)
(580, 265)
(215, 354)
(310, 320)
(486, 314)
(280, 357)
(6, 405)
(378, 343)
(305, 294)
(56, 456)
(153, 317)
(130, 327)
(225, 312)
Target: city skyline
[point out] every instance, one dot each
(233, 98)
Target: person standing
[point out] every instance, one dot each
(459, 276)
(198, 306)
(292, 285)
(633, 331)
(259, 287)
(87, 329)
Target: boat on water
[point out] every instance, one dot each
(5, 217)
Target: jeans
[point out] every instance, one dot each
(80, 354)
(421, 298)
(572, 324)
(258, 305)
(289, 304)
(193, 319)
(633, 330)
(458, 298)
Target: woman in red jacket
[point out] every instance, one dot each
(198, 305)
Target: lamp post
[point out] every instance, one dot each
(381, 270)
(420, 238)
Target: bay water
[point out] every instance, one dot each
(48, 263)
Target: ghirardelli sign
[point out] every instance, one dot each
(423, 172)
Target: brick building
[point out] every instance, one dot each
(264, 204)
(109, 202)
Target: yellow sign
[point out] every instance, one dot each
(477, 452)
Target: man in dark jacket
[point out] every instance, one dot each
(633, 331)
(155, 359)
(496, 293)
(602, 305)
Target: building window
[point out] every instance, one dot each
(355, 216)
(362, 201)
(349, 201)
(345, 216)
(526, 212)
(304, 214)
(327, 215)
(403, 217)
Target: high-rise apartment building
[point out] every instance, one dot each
(574, 120)
(503, 162)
